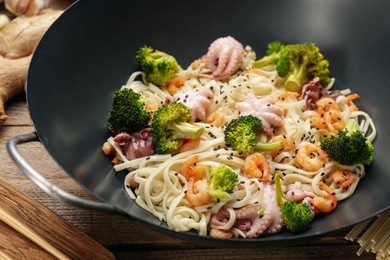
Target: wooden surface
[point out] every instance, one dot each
(125, 238)
(58, 232)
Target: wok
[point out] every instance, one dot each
(88, 54)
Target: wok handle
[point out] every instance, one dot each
(44, 184)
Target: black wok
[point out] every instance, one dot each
(89, 51)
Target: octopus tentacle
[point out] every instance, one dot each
(224, 57)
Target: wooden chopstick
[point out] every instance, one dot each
(30, 234)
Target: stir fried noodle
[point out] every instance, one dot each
(163, 189)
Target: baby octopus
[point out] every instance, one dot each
(224, 57)
(263, 108)
(270, 222)
(197, 101)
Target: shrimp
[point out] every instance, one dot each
(255, 71)
(190, 144)
(287, 96)
(325, 204)
(191, 169)
(350, 98)
(152, 105)
(197, 194)
(311, 157)
(175, 84)
(256, 165)
(217, 118)
(287, 145)
(344, 178)
(326, 104)
(107, 148)
(329, 115)
(220, 233)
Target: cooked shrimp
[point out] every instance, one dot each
(217, 118)
(325, 204)
(107, 148)
(326, 104)
(256, 165)
(311, 157)
(350, 98)
(329, 115)
(255, 71)
(175, 84)
(287, 145)
(220, 233)
(287, 96)
(191, 170)
(152, 105)
(333, 120)
(197, 194)
(190, 144)
(344, 178)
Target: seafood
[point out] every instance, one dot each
(190, 144)
(298, 195)
(136, 145)
(175, 84)
(344, 178)
(313, 91)
(256, 165)
(197, 101)
(254, 225)
(224, 57)
(287, 145)
(311, 157)
(217, 118)
(220, 233)
(197, 194)
(263, 108)
(191, 170)
(329, 115)
(325, 204)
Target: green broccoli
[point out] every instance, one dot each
(128, 113)
(170, 127)
(159, 67)
(296, 216)
(299, 63)
(240, 134)
(272, 55)
(349, 146)
(222, 181)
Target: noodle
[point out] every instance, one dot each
(162, 189)
(373, 235)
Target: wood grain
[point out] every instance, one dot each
(50, 226)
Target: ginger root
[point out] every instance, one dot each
(18, 41)
(25, 7)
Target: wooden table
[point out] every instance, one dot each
(127, 238)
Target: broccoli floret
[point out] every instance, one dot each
(159, 67)
(349, 146)
(222, 181)
(301, 63)
(296, 216)
(298, 63)
(128, 113)
(272, 55)
(170, 127)
(240, 134)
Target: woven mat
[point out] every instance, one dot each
(373, 235)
